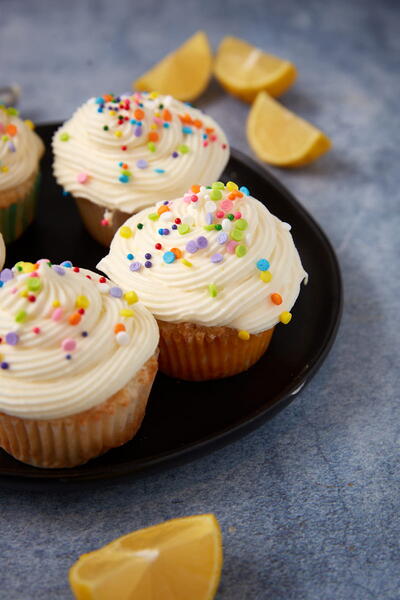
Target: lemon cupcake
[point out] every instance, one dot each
(78, 359)
(217, 270)
(20, 152)
(2, 252)
(119, 154)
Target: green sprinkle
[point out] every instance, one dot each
(183, 149)
(105, 127)
(34, 284)
(183, 228)
(215, 195)
(19, 266)
(126, 172)
(241, 224)
(13, 111)
(230, 217)
(217, 185)
(151, 146)
(140, 225)
(240, 250)
(212, 290)
(20, 317)
(64, 137)
(237, 235)
(5, 138)
(218, 227)
(209, 227)
(154, 216)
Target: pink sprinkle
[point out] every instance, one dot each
(36, 330)
(213, 138)
(82, 177)
(194, 198)
(231, 245)
(68, 344)
(226, 205)
(2, 128)
(205, 144)
(220, 214)
(238, 215)
(34, 274)
(187, 198)
(158, 120)
(14, 290)
(57, 314)
(104, 223)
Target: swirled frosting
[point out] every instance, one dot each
(2, 252)
(69, 339)
(215, 256)
(20, 149)
(124, 152)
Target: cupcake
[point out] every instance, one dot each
(217, 270)
(20, 152)
(119, 154)
(2, 252)
(78, 359)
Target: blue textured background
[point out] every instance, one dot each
(308, 503)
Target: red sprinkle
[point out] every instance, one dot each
(81, 311)
(76, 269)
(102, 280)
(178, 221)
(36, 330)
(158, 246)
(32, 298)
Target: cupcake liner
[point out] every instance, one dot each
(92, 214)
(197, 353)
(17, 208)
(73, 440)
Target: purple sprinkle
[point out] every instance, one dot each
(166, 202)
(192, 246)
(217, 258)
(6, 275)
(166, 231)
(4, 365)
(222, 237)
(148, 264)
(84, 334)
(116, 292)
(174, 226)
(209, 218)
(11, 147)
(147, 255)
(138, 131)
(59, 270)
(12, 338)
(175, 155)
(142, 164)
(135, 266)
(202, 242)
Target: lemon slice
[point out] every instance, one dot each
(184, 73)
(244, 70)
(280, 137)
(180, 559)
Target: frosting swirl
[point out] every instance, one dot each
(122, 152)
(69, 339)
(20, 149)
(2, 252)
(217, 256)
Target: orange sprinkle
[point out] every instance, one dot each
(153, 136)
(232, 196)
(186, 119)
(210, 129)
(276, 298)
(124, 166)
(195, 189)
(239, 194)
(197, 123)
(166, 115)
(107, 97)
(162, 210)
(119, 327)
(178, 253)
(139, 114)
(74, 319)
(11, 129)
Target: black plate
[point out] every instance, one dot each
(182, 416)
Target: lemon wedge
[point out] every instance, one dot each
(180, 559)
(280, 137)
(184, 73)
(244, 70)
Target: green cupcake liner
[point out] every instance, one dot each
(14, 219)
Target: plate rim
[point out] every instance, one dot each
(244, 425)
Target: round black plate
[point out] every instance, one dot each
(182, 416)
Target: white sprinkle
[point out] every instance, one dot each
(286, 226)
(122, 338)
(210, 206)
(166, 216)
(103, 288)
(226, 224)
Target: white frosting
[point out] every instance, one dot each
(20, 149)
(37, 379)
(87, 157)
(2, 252)
(178, 293)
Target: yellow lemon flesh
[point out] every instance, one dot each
(244, 70)
(281, 138)
(176, 560)
(184, 73)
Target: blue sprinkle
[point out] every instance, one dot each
(245, 190)
(1, 284)
(99, 100)
(67, 264)
(123, 178)
(169, 257)
(166, 125)
(187, 129)
(100, 109)
(120, 164)
(130, 256)
(174, 226)
(133, 121)
(262, 264)
(161, 231)
(205, 136)
(65, 193)
(159, 170)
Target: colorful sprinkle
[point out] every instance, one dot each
(285, 317)
(244, 335)
(212, 290)
(276, 298)
(263, 264)
(131, 297)
(169, 257)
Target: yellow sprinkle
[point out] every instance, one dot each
(244, 335)
(232, 186)
(118, 133)
(112, 113)
(4, 169)
(157, 114)
(126, 312)
(153, 95)
(82, 302)
(125, 232)
(131, 297)
(29, 124)
(265, 276)
(56, 303)
(285, 317)
(186, 262)
(153, 126)
(24, 293)
(28, 267)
